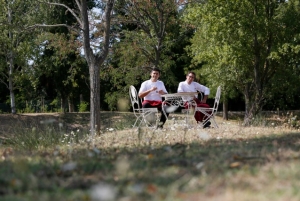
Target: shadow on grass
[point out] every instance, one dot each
(142, 172)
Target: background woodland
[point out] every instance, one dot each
(249, 48)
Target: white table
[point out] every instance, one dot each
(176, 100)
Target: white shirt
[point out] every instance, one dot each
(193, 87)
(153, 95)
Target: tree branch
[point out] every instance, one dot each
(69, 9)
(78, 4)
(53, 25)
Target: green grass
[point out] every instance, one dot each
(229, 163)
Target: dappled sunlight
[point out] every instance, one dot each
(178, 162)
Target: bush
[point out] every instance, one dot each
(83, 106)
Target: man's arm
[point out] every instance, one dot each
(204, 99)
(145, 93)
(179, 89)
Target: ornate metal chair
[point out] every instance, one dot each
(211, 112)
(147, 115)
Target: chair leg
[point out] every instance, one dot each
(214, 122)
(137, 119)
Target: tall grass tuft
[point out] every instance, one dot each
(259, 120)
(45, 134)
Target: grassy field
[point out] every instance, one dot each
(52, 157)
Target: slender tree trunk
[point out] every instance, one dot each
(11, 90)
(61, 104)
(11, 67)
(42, 104)
(70, 104)
(95, 61)
(225, 109)
(81, 98)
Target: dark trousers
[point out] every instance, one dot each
(162, 115)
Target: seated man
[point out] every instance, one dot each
(190, 86)
(151, 90)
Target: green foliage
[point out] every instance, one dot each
(28, 109)
(55, 105)
(15, 43)
(291, 120)
(112, 100)
(240, 46)
(83, 106)
(150, 35)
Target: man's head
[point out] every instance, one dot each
(155, 73)
(190, 77)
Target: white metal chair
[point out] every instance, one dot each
(191, 107)
(210, 112)
(147, 115)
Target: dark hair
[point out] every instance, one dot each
(191, 72)
(155, 69)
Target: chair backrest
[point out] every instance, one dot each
(217, 99)
(135, 101)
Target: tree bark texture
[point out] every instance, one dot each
(95, 60)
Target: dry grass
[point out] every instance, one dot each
(176, 163)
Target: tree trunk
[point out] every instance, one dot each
(253, 104)
(95, 99)
(225, 109)
(254, 91)
(70, 104)
(95, 61)
(63, 104)
(81, 98)
(11, 67)
(42, 104)
(11, 88)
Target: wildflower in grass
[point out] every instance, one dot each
(68, 166)
(110, 129)
(48, 121)
(55, 153)
(97, 151)
(136, 188)
(103, 191)
(200, 165)
(90, 154)
(204, 136)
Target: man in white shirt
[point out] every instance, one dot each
(190, 86)
(151, 91)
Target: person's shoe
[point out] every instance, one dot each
(207, 124)
(160, 126)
